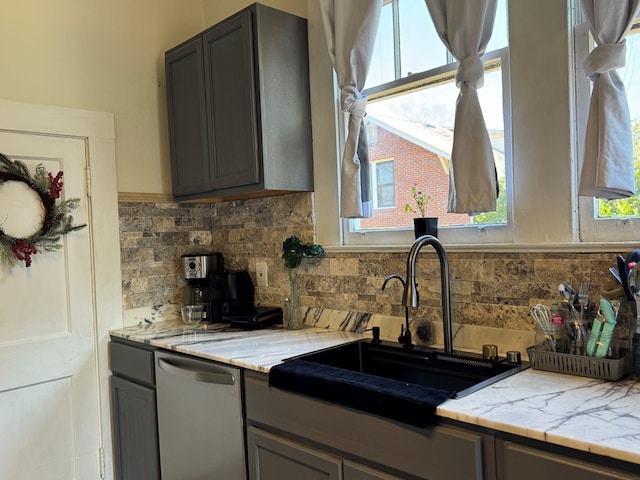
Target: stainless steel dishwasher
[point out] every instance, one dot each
(200, 422)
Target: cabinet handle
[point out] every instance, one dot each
(196, 374)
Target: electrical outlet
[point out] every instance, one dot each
(262, 274)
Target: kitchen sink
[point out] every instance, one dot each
(389, 380)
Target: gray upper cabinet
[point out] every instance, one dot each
(238, 107)
(232, 110)
(187, 118)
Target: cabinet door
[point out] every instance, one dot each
(275, 458)
(231, 103)
(355, 471)
(135, 431)
(437, 452)
(187, 119)
(521, 462)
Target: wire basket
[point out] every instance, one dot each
(604, 368)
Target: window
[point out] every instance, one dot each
(372, 134)
(612, 219)
(540, 140)
(382, 179)
(411, 100)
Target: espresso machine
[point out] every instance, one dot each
(227, 296)
(202, 273)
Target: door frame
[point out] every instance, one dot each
(98, 132)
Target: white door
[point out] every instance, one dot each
(49, 401)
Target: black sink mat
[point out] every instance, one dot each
(405, 402)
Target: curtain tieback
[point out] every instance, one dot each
(604, 58)
(470, 70)
(356, 106)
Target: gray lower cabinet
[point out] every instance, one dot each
(363, 445)
(275, 458)
(134, 418)
(272, 457)
(239, 110)
(356, 471)
(517, 461)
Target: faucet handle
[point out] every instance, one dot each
(405, 337)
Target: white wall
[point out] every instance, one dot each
(108, 56)
(216, 10)
(104, 56)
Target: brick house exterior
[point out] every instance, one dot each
(412, 165)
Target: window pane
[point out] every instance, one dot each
(416, 129)
(420, 47)
(382, 68)
(384, 172)
(385, 188)
(492, 108)
(629, 207)
(500, 35)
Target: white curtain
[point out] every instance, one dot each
(465, 28)
(350, 28)
(607, 169)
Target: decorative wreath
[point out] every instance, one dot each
(56, 222)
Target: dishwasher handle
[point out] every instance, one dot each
(196, 374)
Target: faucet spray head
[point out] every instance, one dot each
(410, 295)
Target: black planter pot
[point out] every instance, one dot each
(425, 226)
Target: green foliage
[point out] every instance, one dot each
(421, 199)
(15, 168)
(626, 207)
(6, 255)
(293, 251)
(500, 214)
(40, 179)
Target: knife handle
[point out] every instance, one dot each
(594, 336)
(605, 340)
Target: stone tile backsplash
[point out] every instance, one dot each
(493, 290)
(153, 236)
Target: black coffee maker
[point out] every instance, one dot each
(238, 291)
(208, 283)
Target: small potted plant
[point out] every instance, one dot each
(422, 225)
(293, 253)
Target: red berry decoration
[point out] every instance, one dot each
(56, 185)
(23, 251)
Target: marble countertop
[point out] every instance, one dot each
(257, 350)
(582, 413)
